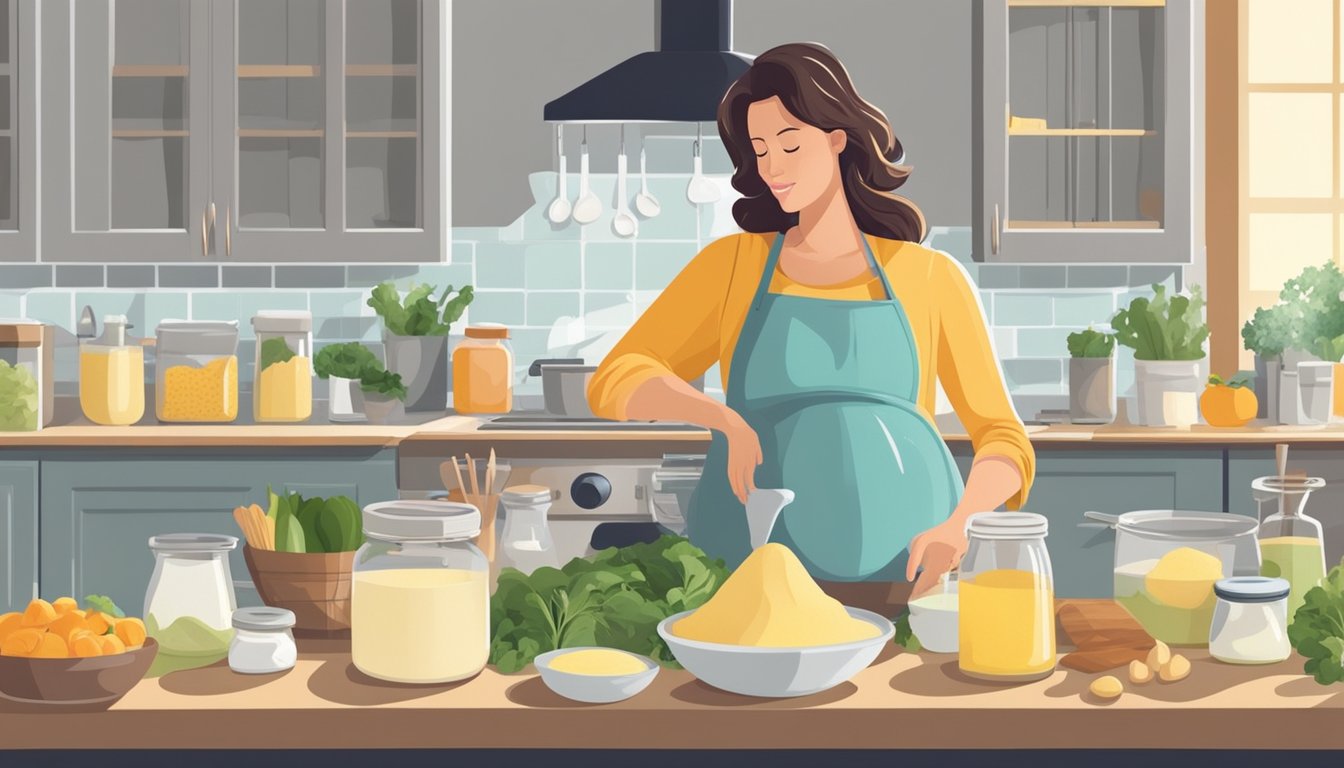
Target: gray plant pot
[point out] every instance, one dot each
(1167, 392)
(1267, 388)
(422, 362)
(1092, 390)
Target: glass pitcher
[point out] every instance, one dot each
(190, 600)
(1292, 545)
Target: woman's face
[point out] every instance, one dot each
(799, 162)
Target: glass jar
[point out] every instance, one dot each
(1292, 544)
(420, 598)
(1006, 622)
(483, 370)
(1250, 622)
(262, 641)
(26, 375)
(283, 388)
(112, 376)
(526, 543)
(196, 371)
(190, 602)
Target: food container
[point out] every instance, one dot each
(27, 375)
(190, 602)
(420, 601)
(594, 688)
(262, 641)
(196, 371)
(112, 376)
(1250, 622)
(1167, 561)
(934, 618)
(283, 388)
(483, 370)
(75, 682)
(1006, 622)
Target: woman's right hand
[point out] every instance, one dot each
(744, 453)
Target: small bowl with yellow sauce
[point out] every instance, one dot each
(595, 675)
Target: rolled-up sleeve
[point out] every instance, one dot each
(677, 335)
(973, 380)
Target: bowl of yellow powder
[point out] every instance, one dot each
(771, 631)
(595, 675)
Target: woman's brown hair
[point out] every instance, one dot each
(814, 87)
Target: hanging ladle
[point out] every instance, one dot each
(559, 210)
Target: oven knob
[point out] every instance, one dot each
(590, 490)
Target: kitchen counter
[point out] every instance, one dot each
(901, 701)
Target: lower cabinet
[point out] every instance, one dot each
(18, 542)
(99, 511)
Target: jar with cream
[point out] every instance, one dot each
(1250, 621)
(262, 641)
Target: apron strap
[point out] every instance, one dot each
(772, 261)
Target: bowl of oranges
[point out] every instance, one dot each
(59, 653)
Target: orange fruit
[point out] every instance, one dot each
(64, 605)
(39, 613)
(51, 647)
(67, 624)
(98, 622)
(84, 643)
(112, 645)
(131, 632)
(22, 642)
(8, 623)
(1224, 406)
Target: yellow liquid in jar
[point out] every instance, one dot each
(482, 379)
(112, 385)
(600, 662)
(1006, 625)
(207, 393)
(284, 391)
(1299, 559)
(420, 625)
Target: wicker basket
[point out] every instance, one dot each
(316, 587)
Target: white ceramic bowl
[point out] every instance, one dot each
(595, 689)
(777, 672)
(933, 619)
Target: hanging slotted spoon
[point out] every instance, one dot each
(559, 210)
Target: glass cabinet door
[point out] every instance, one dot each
(17, 163)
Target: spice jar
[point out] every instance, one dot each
(112, 376)
(27, 375)
(419, 597)
(190, 601)
(262, 641)
(283, 388)
(526, 543)
(483, 370)
(196, 371)
(1006, 622)
(1250, 620)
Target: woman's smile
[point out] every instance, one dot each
(781, 189)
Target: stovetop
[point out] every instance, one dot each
(545, 421)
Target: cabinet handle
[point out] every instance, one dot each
(210, 209)
(228, 231)
(994, 232)
(205, 235)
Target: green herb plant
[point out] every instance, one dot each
(1163, 329)
(315, 525)
(905, 636)
(418, 314)
(382, 382)
(615, 599)
(1317, 629)
(275, 350)
(1091, 343)
(345, 361)
(1271, 330)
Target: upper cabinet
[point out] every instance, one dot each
(18, 123)
(1085, 114)
(245, 131)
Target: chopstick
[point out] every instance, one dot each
(461, 484)
(490, 474)
(471, 474)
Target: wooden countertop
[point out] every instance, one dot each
(901, 701)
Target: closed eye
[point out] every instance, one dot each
(762, 154)
(791, 151)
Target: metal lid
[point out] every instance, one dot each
(1008, 525)
(1251, 589)
(526, 494)
(263, 618)
(283, 321)
(198, 337)
(422, 521)
(488, 331)
(192, 542)
(20, 333)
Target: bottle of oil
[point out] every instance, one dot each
(1292, 545)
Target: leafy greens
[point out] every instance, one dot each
(315, 525)
(1162, 328)
(1091, 343)
(347, 361)
(419, 314)
(1317, 630)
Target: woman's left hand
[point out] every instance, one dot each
(937, 550)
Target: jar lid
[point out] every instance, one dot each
(192, 542)
(1008, 525)
(421, 520)
(198, 337)
(488, 331)
(526, 494)
(283, 321)
(1251, 589)
(263, 618)
(20, 333)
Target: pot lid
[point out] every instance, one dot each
(1251, 589)
(263, 618)
(1186, 525)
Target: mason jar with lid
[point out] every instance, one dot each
(1250, 620)
(420, 598)
(196, 371)
(1006, 621)
(189, 603)
(483, 370)
(283, 388)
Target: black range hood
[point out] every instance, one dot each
(682, 81)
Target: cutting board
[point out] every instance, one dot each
(1104, 634)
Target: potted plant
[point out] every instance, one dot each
(415, 338)
(343, 366)
(382, 393)
(1167, 336)
(1269, 333)
(1091, 377)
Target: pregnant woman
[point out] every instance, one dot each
(831, 325)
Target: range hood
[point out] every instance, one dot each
(682, 81)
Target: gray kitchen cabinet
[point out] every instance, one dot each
(18, 547)
(1326, 505)
(18, 130)
(1084, 116)
(99, 511)
(243, 131)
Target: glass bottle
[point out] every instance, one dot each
(483, 371)
(190, 602)
(1292, 544)
(420, 597)
(283, 389)
(526, 543)
(1006, 622)
(112, 376)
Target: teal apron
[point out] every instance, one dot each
(830, 386)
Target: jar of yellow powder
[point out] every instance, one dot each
(283, 388)
(196, 371)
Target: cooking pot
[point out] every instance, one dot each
(564, 386)
(1166, 562)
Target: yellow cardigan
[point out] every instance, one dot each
(697, 319)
